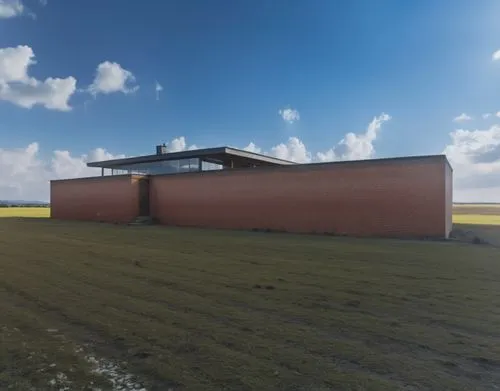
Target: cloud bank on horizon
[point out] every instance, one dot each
(25, 175)
(474, 155)
(473, 150)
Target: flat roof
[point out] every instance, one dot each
(297, 167)
(219, 155)
(388, 160)
(361, 163)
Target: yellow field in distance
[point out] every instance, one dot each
(462, 214)
(481, 214)
(25, 212)
(476, 219)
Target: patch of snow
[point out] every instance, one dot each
(60, 382)
(120, 380)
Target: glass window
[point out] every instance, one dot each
(160, 167)
(166, 167)
(207, 166)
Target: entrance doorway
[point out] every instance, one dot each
(144, 197)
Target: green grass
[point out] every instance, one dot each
(218, 310)
(25, 212)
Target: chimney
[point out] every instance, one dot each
(161, 149)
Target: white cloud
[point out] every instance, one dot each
(294, 150)
(11, 8)
(486, 115)
(356, 146)
(14, 63)
(25, 175)
(17, 87)
(475, 158)
(64, 165)
(158, 89)
(52, 93)
(179, 144)
(496, 56)
(289, 115)
(498, 114)
(252, 148)
(351, 147)
(110, 78)
(472, 195)
(474, 155)
(462, 117)
(15, 8)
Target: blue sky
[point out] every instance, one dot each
(227, 68)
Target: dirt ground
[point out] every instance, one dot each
(93, 306)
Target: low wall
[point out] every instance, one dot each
(400, 198)
(108, 198)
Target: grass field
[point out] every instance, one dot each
(86, 305)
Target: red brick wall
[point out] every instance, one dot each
(108, 198)
(363, 199)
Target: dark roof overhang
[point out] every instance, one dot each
(227, 156)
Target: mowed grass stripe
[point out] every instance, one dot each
(96, 318)
(41, 355)
(72, 285)
(201, 271)
(303, 329)
(140, 274)
(96, 323)
(228, 317)
(191, 304)
(269, 297)
(134, 313)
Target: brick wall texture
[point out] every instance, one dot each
(107, 199)
(394, 198)
(361, 199)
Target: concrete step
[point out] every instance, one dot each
(142, 220)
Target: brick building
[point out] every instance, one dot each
(235, 189)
